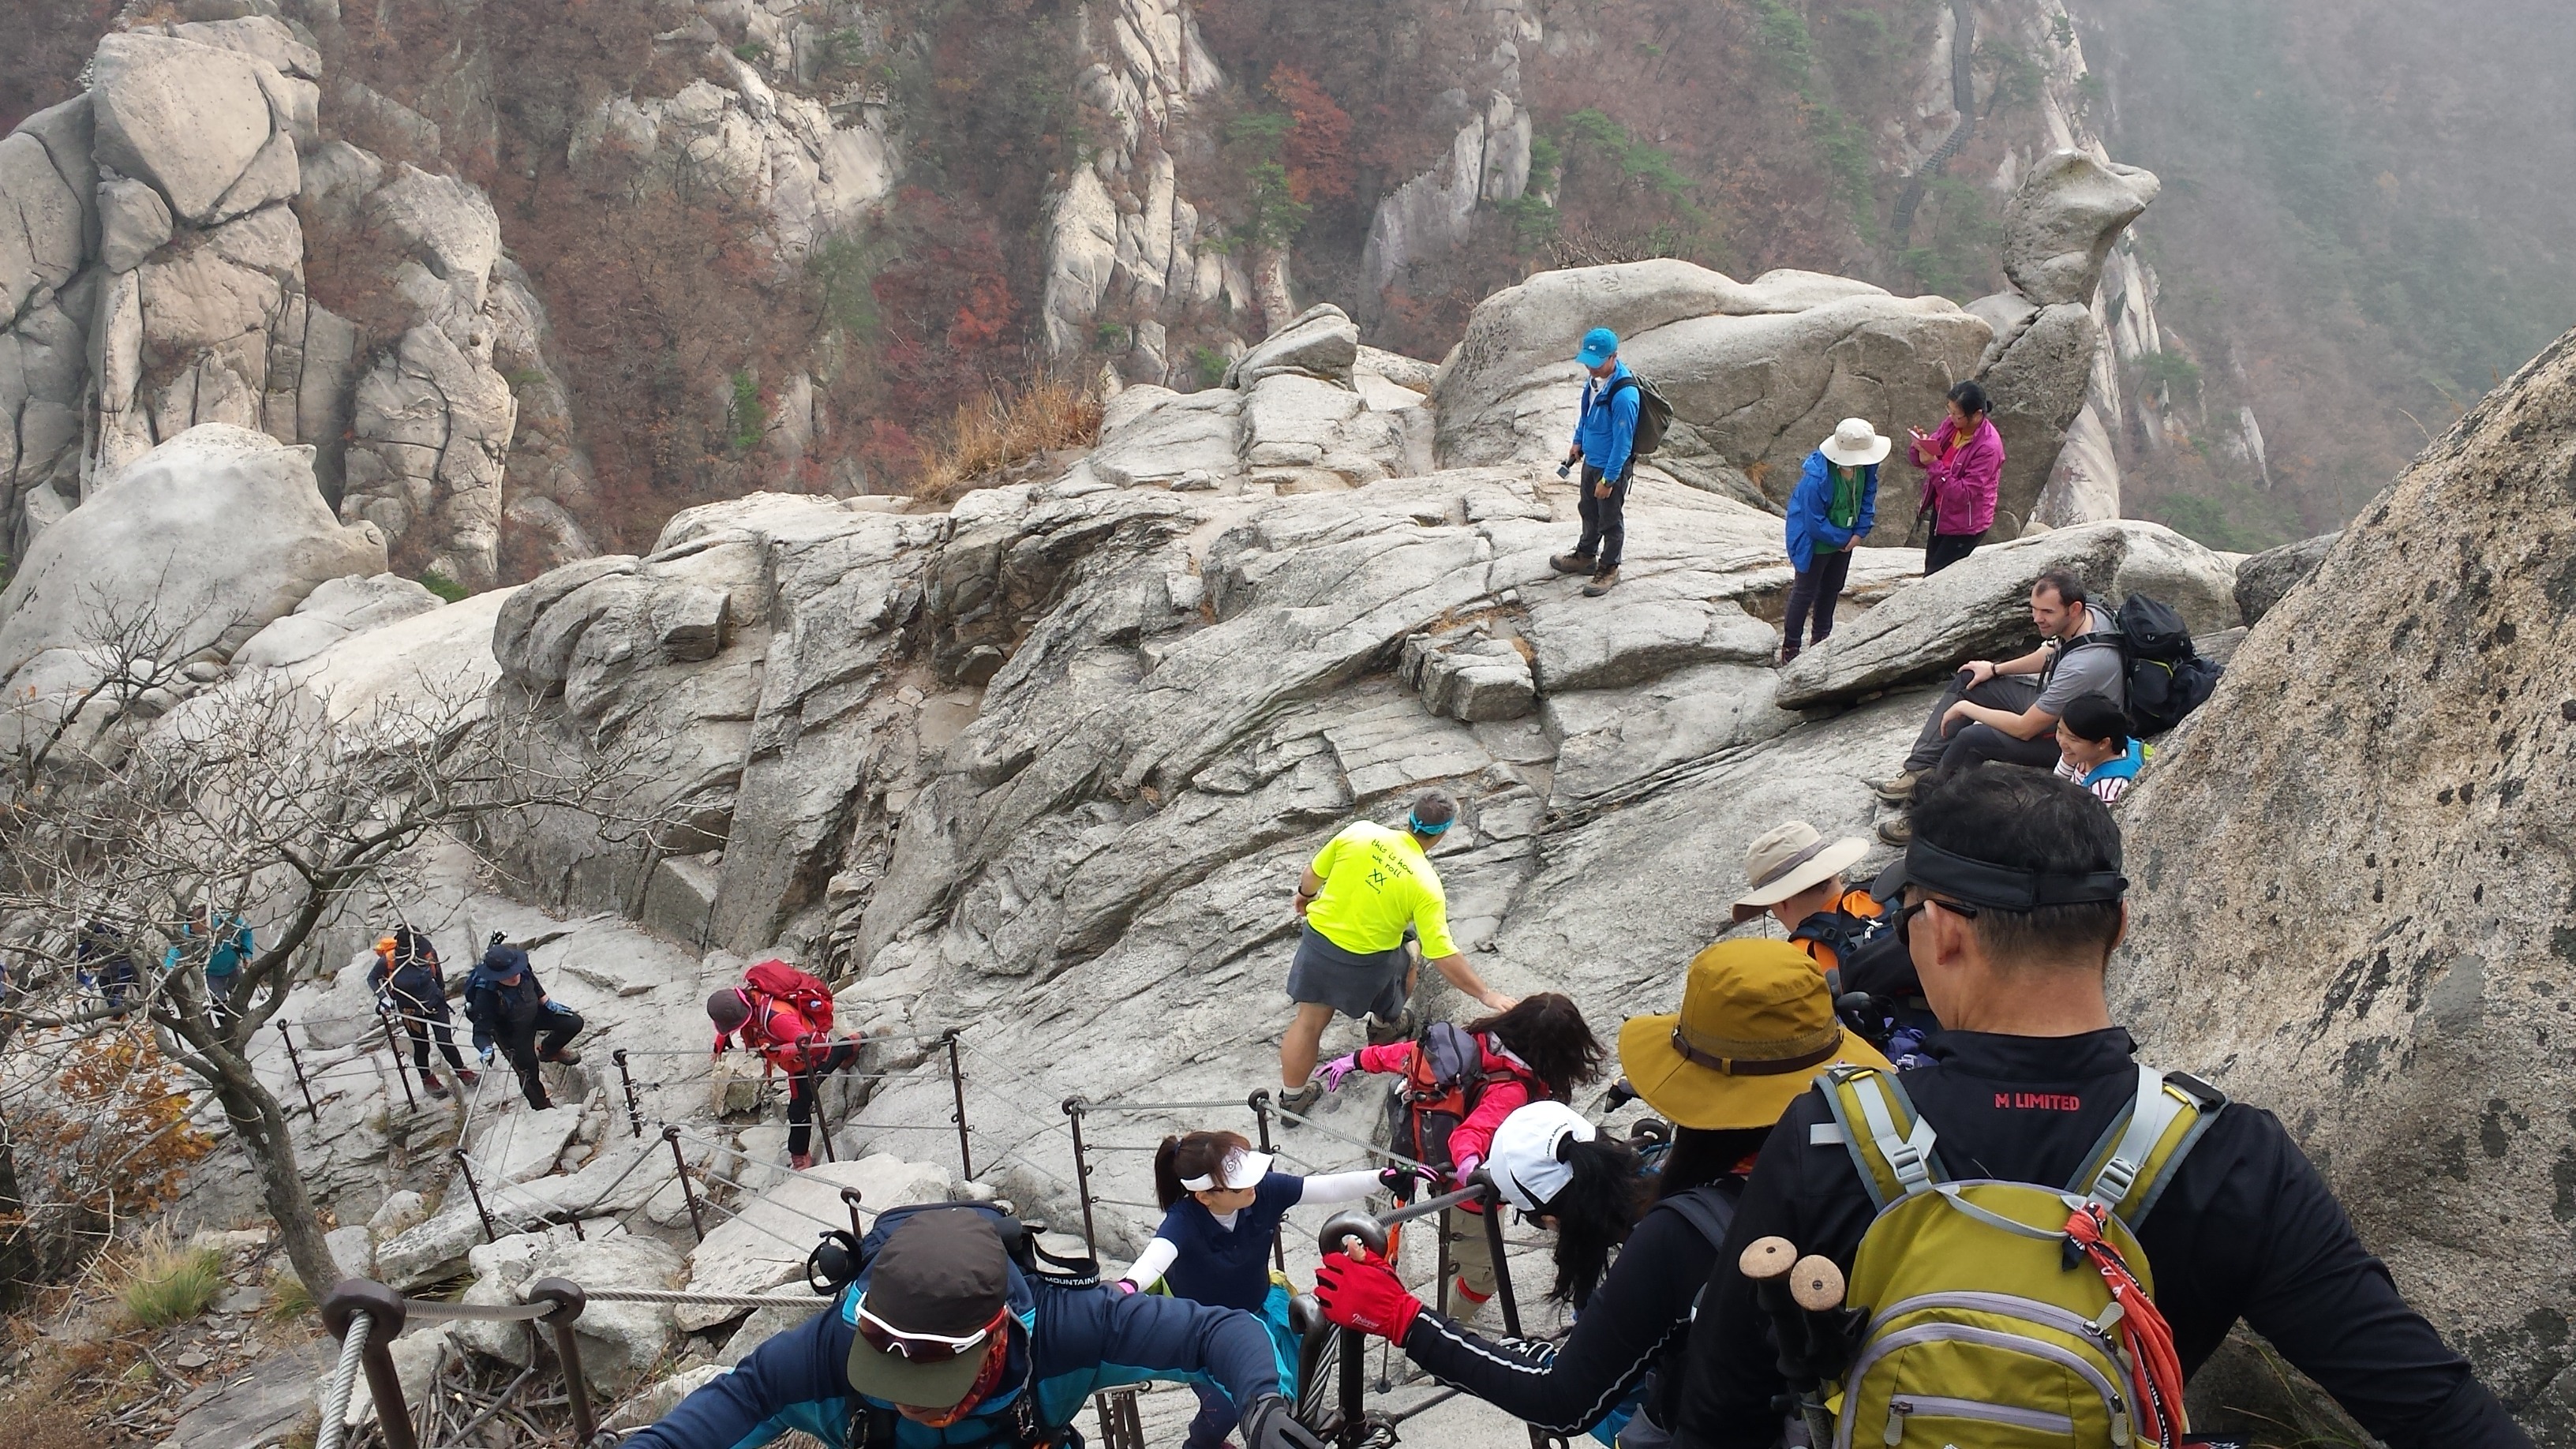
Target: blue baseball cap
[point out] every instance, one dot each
(1598, 345)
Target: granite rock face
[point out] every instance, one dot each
(2268, 577)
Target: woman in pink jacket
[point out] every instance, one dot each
(1963, 463)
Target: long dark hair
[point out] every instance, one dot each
(1594, 1212)
(1549, 1033)
(1700, 1156)
(1197, 1154)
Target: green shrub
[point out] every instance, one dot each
(443, 586)
(1210, 364)
(749, 419)
(170, 1284)
(750, 50)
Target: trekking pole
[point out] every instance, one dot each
(1073, 1110)
(688, 1190)
(401, 1070)
(1259, 1101)
(465, 1167)
(286, 1033)
(634, 1107)
(1776, 1271)
(957, 1085)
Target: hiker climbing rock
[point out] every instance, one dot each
(1605, 443)
(1997, 711)
(785, 1016)
(510, 1010)
(1963, 468)
(2013, 902)
(226, 944)
(2096, 750)
(1362, 892)
(1833, 508)
(1460, 1082)
(407, 982)
(103, 960)
(951, 1340)
(1221, 1205)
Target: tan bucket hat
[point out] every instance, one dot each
(1855, 444)
(1791, 858)
(1756, 1025)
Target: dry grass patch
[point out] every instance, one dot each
(1006, 429)
(166, 1284)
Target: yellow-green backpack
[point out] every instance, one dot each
(1986, 1326)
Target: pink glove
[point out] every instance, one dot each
(1125, 1287)
(1467, 1167)
(1365, 1294)
(1339, 1067)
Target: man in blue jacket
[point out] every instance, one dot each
(1605, 435)
(944, 1344)
(508, 1007)
(1833, 507)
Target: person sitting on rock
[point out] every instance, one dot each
(1833, 507)
(2096, 750)
(1362, 892)
(946, 1342)
(1221, 1206)
(1459, 1085)
(408, 983)
(1997, 712)
(511, 1010)
(2014, 901)
(1605, 434)
(1764, 1007)
(1963, 469)
(764, 1010)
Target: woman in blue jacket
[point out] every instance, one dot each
(1833, 507)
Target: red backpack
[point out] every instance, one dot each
(1441, 1085)
(775, 980)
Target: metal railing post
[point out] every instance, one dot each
(465, 1168)
(1259, 1102)
(1073, 1109)
(850, 1200)
(688, 1190)
(568, 1301)
(957, 1085)
(286, 1033)
(1493, 1205)
(402, 1069)
(822, 1120)
(384, 1310)
(1353, 1352)
(634, 1105)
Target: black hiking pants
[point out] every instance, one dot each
(532, 1042)
(1947, 549)
(420, 1025)
(1814, 590)
(1605, 520)
(2011, 693)
(802, 1090)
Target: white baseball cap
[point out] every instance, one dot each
(1526, 1164)
(1239, 1170)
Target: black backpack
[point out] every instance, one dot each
(1654, 414)
(2167, 678)
(1441, 1086)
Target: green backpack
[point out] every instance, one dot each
(2001, 1315)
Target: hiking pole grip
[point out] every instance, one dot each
(1816, 1287)
(1771, 1264)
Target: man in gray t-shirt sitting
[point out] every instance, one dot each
(2001, 712)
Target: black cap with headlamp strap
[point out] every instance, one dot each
(1988, 886)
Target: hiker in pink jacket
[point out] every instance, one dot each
(1963, 463)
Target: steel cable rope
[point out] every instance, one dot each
(1371, 1148)
(335, 1395)
(738, 1186)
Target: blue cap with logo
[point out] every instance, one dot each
(1599, 345)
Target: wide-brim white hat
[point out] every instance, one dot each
(1855, 444)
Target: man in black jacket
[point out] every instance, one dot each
(2027, 1076)
(511, 1010)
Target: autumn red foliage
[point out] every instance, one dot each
(1318, 145)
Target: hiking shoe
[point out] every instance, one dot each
(1571, 563)
(1788, 655)
(1405, 1027)
(1303, 1100)
(469, 1077)
(561, 1056)
(436, 1087)
(1602, 583)
(1900, 790)
(800, 1160)
(1896, 830)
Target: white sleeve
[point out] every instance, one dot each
(1338, 1187)
(1151, 1264)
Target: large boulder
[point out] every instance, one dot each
(2265, 579)
(2059, 226)
(188, 118)
(1322, 343)
(1758, 374)
(2036, 387)
(211, 535)
(2353, 879)
(44, 205)
(1980, 607)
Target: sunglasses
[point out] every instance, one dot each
(1905, 915)
(923, 1348)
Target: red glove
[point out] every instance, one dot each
(1365, 1294)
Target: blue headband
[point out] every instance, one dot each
(1414, 823)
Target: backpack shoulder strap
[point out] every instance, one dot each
(1891, 1143)
(1710, 1212)
(2129, 1168)
(1616, 383)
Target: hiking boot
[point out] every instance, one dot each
(1788, 655)
(800, 1160)
(1571, 563)
(1896, 830)
(436, 1087)
(1900, 790)
(1405, 1027)
(1303, 1100)
(469, 1078)
(561, 1056)
(1602, 583)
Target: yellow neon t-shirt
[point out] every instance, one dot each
(1376, 882)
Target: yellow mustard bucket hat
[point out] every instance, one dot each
(1756, 1025)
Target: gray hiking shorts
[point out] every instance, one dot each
(1349, 982)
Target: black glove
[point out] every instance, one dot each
(1271, 1424)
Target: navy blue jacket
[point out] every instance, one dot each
(1067, 1344)
(493, 1007)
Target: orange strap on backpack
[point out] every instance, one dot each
(2155, 1370)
